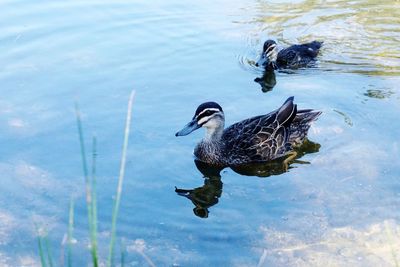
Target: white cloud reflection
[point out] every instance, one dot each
(29, 195)
(375, 245)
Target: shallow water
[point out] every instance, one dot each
(338, 206)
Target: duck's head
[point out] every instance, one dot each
(269, 53)
(208, 115)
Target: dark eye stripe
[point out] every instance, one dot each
(211, 117)
(206, 114)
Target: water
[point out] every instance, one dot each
(339, 209)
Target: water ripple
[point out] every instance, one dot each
(359, 36)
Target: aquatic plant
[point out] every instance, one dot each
(120, 180)
(91, 201)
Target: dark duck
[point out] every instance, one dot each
(258, 139)
(293, 57)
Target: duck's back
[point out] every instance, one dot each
(298, 55)
(261, 138)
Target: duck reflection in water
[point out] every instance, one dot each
(268, 80)
(208, 194)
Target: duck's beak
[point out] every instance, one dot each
(190, 127)
(262, 61)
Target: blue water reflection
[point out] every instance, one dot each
(341, 208)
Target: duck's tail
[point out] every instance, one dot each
(307, 115)
(313, 48)
(316, 44)
(300, 125)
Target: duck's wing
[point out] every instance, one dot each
(299, 54)
(287, 56)
(261, 138)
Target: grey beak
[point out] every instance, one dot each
(265, 56)
(262, 61)
(190, 127)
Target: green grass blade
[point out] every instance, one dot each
(49, 258)
(88, 185)
(147, 258)
(83, 153)
(94, 195)
(120, 180)
(70, 231)
(40, 246)
(94, 198)
(123, 252)
(41, 252)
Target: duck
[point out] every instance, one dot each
(261, 138)
(292, 57)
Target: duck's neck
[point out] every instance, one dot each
(214, 134)
(210, 149)
(273, 55)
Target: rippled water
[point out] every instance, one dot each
(337, 204)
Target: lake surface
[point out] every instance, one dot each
(339, 206)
